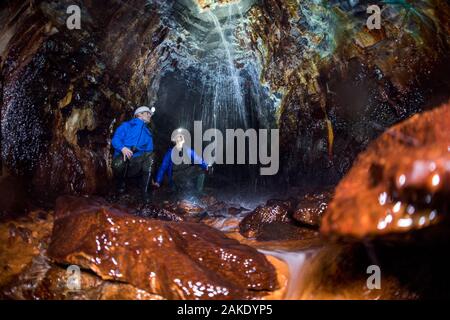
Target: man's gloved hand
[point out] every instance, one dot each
(210, 169)
(127, 153)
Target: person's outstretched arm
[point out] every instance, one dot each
(198, 160)
(164, 166)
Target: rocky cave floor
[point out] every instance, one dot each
(301, 246)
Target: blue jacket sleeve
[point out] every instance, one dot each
(119, 136)
(197, 160)
(164, 166)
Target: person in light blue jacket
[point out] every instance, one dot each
(133, 151)
(187, 176)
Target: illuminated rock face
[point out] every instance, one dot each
(313, 70)
(206, 4)
(172, 259)
(310, 209)
(382, 195)
(342, 84)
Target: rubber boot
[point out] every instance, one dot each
(200, 183)
(121, 185)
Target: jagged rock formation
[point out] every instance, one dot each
(344, 84)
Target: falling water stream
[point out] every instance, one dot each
(225, 91)
(293, 258)
(295, 261)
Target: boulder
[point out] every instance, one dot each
(273, 221)
(310, 209)
(190, 209)
(285, 231)
(44, 280)
(21, 240)
(28, 274)
(272, 212)
(382, 195)
(177, 260)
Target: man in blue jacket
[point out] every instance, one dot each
(133, 151)
(186, 176)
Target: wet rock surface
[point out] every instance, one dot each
(382, 195)
(311, 207)
(43, 280)
(160, 213)
(21, 240)
(28, 273)
(275, 211)
(175, 260)
(192, 209)
(136, 258)
(305, 268)
(274, 221)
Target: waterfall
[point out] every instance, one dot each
(209, 72)
(295, 262)
(228, 101)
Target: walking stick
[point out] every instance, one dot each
(127, 162)
(147, 181)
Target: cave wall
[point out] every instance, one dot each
(344, 84)
(65, 90)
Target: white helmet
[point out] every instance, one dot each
(144, 109)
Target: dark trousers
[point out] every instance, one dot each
(188, 179)
(140, 166)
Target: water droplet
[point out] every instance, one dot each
(402, 180)
(410, 209)
(422, 221)
(397, 207)
(405, 223)
(432, 215)
(435, 180)
(382, 198)
(381, 225)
